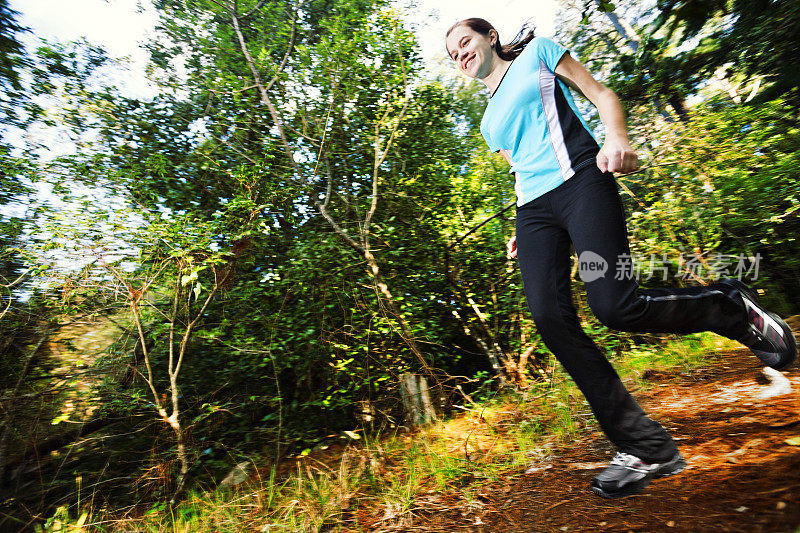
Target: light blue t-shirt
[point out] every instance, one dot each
(533, 116)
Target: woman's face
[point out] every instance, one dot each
(471, 51)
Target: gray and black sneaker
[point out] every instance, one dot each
(627, 474)
(768, 336)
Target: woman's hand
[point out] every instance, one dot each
(616, 155)
(511, 246)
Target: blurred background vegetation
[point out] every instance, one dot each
(245, 265)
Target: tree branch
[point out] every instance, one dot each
(380, 158)
(480, 225)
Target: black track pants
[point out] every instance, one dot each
(586, 210)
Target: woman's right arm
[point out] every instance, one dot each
(616, 154)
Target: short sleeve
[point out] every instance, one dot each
(550, 52)
(486, 137)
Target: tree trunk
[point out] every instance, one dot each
(677, 104)
(625, 30)
(416, 400)
(502, 363)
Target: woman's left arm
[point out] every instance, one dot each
(616, 154)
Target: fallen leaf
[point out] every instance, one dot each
(671, 524)
(785, 424)
(781, 505)
(535, 468)
(794, 441)
(741, 509)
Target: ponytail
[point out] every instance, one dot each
(510, 51)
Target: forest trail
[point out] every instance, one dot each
(743, 473)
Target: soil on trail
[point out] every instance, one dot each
(743, 475)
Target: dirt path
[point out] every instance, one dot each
(742, 474)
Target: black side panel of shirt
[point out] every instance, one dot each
(579, 142)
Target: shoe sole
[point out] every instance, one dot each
(677, 471)
(629, 491)
(787, 331)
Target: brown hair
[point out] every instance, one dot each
(507, 52)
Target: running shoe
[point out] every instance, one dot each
(768, 336)
(627, 474)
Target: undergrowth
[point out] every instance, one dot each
(386, 479)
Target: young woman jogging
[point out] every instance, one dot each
(566, 195)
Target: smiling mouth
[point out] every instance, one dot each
(467, 62)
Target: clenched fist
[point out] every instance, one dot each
(616, 155)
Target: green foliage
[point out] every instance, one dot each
(12, 57)
(167, 200)
(758, 37)
(725, 185)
